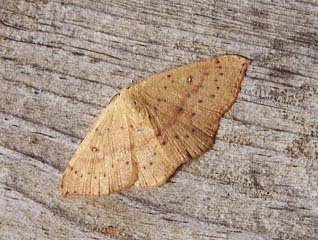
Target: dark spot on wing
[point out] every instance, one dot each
(179, 109)
(163, 142)
(188, 154)
(94, 149)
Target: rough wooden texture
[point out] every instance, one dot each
(60, 62)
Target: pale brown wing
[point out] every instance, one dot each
(153, 160)
(103, 162)
(185, 105)
(155, 126)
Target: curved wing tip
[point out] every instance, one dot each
(248, 60)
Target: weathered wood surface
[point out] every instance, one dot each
(60, 61)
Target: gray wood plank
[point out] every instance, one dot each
(61, 61)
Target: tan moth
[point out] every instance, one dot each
(149, 129)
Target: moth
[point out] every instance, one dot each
(149, 129)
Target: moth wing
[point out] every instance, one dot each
(185, 105)
(103, 163)
(153, 161)
(175, 115)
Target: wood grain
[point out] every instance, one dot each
(61, 61)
